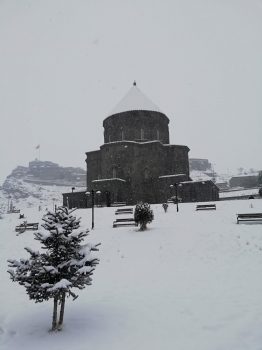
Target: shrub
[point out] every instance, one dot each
(165, 206)
(143, 215)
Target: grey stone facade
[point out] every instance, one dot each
(198, 191)
(142, 171)
(139, 126)
(136, 162)
(245, 181)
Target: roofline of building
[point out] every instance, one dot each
(136, 110)
(109, 144)
(115, 178)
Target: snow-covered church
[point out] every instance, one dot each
(137, 162)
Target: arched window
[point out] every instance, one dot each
(114, 172)
(123, 135)
(146, 173)
(157, 134)
(109, 138)
(98, 176)
(142, 134)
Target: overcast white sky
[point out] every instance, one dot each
(66, 64)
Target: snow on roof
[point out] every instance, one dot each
(134, 100)
(172, 175)
(191, 182)
(245, 175)
(115, 178)
(197, 175)
(129, 141)
(139, 143)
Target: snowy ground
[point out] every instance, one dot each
(192, 281)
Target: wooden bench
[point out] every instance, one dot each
(124, 222)
(249, 217)
(118, 204)
(206, 207)
(124, 211)
(27, 226)
(13, 211)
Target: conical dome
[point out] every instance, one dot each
(134, 100)
(136, 118)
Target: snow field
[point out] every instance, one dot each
(191, 281)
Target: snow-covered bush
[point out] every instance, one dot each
(143, 215)
(65, 264)
(165, 206)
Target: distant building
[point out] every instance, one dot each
(198, 191)
(199, 164)
(19, 171)
(45, 171)
(223, 186)
(245, 181)
(136, 162)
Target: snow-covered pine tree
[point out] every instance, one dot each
(65, 264)
(143, 215)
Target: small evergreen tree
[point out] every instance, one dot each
(143, 215)
(65, 264)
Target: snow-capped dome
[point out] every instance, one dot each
(134, 100)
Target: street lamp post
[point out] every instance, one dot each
(176, 195)
(73, 188)
(93, 204)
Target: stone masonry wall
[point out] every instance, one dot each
(128, 125)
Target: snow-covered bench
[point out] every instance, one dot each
(206, 207)
(118, 204)
(27, 226)
(124, 211)
(124, 222)
(249, 217)
(13, 211)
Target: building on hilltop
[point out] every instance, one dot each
(199, 164)
(46, 171)
(136, 162)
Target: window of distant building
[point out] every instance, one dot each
(109, 138)
(157, 134)
(142, 134)
(146, 173)
(98, 176)
(123, 135)
(114, 173)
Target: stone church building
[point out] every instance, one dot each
(136, 162)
